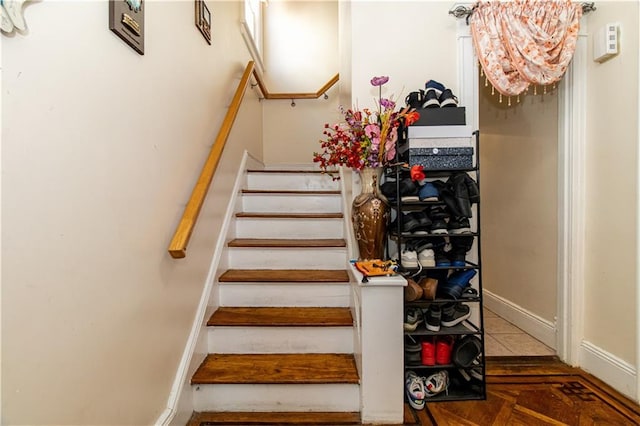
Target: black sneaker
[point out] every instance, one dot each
(412, 351)
(415, 99)
(447, 99)
(454, 313)
(424, 222)
(408, 190)
(438, 215)
(459, 225)
(432, 317)
(407, 224)
(431, 99)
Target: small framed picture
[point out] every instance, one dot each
(126, 20)
(203, 20)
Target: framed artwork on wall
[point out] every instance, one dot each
(126, 20)
(203, 20)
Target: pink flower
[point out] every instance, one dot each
(390, 144)
(379, 81)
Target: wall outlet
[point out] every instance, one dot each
(605, 42)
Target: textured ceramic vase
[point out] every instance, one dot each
(370, 215)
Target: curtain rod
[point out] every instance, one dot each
(464, 11)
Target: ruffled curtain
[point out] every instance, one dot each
(524, 42)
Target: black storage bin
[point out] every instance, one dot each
(442, 158)
(448, 116)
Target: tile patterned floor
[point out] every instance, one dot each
(505, 339)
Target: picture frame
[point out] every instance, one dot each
(203, 19)
(126, 20)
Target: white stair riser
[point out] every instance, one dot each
(287, 258)
(289, 228)
(284, 294)
(301, 181)
(291, 203)
(296, 397)
(267, 340)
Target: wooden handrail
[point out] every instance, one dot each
(178, 245)
(315, 95)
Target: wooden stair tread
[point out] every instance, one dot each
(276, 369)
(292, 191)
(291, 215)
(285, 275)
(279, 418)
(281, 317)
(287, 242)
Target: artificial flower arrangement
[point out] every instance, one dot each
(366, 138)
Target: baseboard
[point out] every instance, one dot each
(177, 406)
(532, 324)
(612, 370)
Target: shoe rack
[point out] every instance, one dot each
(443, 325)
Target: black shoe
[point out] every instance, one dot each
(408, 190)
(461, 245)
(431, 99)
(424, 222)
(415, 99)
(459, 225)
(412, 351)
(447, 99)
(432, 317)
(454, 313)
(438, 215)
(407, 224)
(389, 190)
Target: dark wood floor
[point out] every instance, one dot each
(526, 391)
(535, 391)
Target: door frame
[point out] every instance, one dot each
(571, 165)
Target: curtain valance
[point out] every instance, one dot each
(524, 42)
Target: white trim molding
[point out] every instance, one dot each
(612, 370)
(536, 326)
(638, 233)
(571, 204)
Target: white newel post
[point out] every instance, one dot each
(382, 346)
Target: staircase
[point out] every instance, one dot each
(280, 346)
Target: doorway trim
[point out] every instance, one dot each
(571, 204)
(571, 164)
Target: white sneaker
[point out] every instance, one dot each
(414, 386)
(436, 383)
(427, 258)
(409, 258)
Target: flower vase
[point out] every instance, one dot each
(370, 215)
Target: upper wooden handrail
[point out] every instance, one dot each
(315, 95)
(178, 245)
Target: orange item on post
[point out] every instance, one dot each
(376, 267)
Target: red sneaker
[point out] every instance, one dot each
(428, 352)
(444, 347)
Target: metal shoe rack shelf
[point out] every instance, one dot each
(459, 388)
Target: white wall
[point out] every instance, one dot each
(411, 42)
(301, 56)
(519, 193)
(100, 150)
(611, 187)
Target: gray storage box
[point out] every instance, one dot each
(442, 158)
